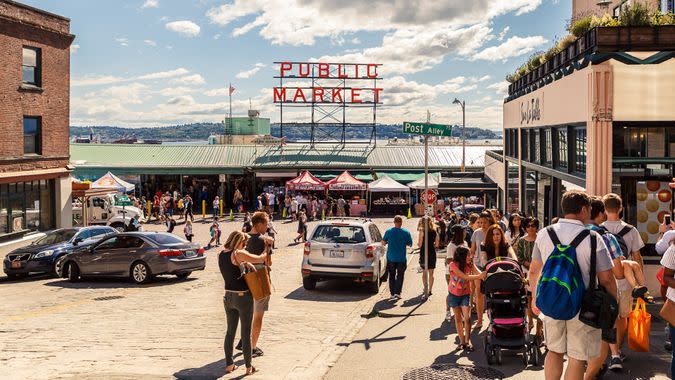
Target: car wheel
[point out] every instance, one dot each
(118, 226)
(183, 276)
(73, 272)
(374, 287)
(140, 272)
(309, 283)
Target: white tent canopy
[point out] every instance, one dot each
(386, 184)
(434, 179)
(111, 181)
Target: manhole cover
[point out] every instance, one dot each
(453, 371)
(108, 298)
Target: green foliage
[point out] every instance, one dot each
(635, 15)
(565, 42)
(579, 27)
(534, 61)
(663, 18)
(605, 20)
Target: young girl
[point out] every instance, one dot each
(302, 227)
(188, 230)
(457, 239)
(459, 294)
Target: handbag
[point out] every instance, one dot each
(599, 309)
(668, 312)
(258, 281)
(639, 323)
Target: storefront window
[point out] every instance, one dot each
(531, 200)
(26, 206)
(535, 146)
(544, 199)
(641, 142)
(512, 191)
(563, 146)
(580, 150)
(548, 147)
(524, 138)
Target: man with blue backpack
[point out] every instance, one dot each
(564, 256)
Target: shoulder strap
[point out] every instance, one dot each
(553, 236)
(594, 246)
(625, 230)
(582, 235)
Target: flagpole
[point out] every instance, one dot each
(229, 90)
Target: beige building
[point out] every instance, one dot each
(614, 7)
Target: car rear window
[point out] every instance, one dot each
(339, 234)
(162, 238)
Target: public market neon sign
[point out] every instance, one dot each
(316, 74)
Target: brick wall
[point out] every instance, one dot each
(21, 26)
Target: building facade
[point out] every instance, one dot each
(614, 7)
(34, 114)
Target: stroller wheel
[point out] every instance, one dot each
(498, 355)
(526, 359)
(488, 351)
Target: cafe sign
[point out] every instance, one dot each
(530, 111)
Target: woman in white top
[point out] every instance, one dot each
(457, 239)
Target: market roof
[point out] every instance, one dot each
(233, 159)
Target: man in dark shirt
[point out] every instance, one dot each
(258, 244)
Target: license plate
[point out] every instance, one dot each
(189, 254)
(16, 264)
(337, 254)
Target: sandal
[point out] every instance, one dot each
(251, 371)
(234, 368)
(639, 291)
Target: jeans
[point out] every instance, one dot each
(396, 272)
(238, 307)
(672, 360)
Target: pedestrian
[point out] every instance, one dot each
(462, 272)
(495, 246)
(294, 208)
(572, 337)
(216, 206)
(189, 206)
(187, 230)
(477, 238)
(170, 223)
(442, 231)
(427, 237)
(302, 227)
(347, 209)
(271, 202)
(214, 231)
(287, 204)
(396, 239)
(668, 311)
(248, 226)
(341, 206)
(515, 228)
(233, 262)
(523, 248)
(271, 231)
(457, 239)
(180, 205)
(259, 245)
(237, 200)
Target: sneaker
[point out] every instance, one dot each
(257, 352)
(615, 364)
(238, 346)
(398, 296)
(622, 356)
(448, 316)
(392, 298)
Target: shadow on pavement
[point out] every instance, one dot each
(443, 331)
(214, 370)
(36, 277)
(331, 291)
(116, 283)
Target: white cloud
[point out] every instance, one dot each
(503, 33)
(175, 91)
(500, 87)
(122, 41)
(97, 80)
(194, 79)
(184, 27)
(216, 36)
(483, 78)
(217, 92)
(513, 47)
(355, 41)
(74, 48)
(150, 42)
(249, 73)
(183, 100)
(164, 74)
(150, 4)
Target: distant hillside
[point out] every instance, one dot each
(201, 131)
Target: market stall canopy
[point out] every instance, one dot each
(111, 181)
(346, 182)
(306, 181)
(386, 184)
(434, 180)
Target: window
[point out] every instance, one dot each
(524, 138)
(580, 150)
(535, 146)
(375, 233)
(31, 135)
(130, 242)
(165, 238)
(30, 67)
(108, 244)
(548, 147)
(563, 147)
(339, 234)
(84, 235)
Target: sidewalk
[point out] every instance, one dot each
(411, 339)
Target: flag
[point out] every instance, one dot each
(231, 89)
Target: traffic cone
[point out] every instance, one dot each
(283, 213)
(231, 215)
(409, 213)
(323, 214)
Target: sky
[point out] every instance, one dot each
(148, 63)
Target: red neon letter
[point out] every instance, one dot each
(299, 94)
(373, 66)
(285, 66)
(279, 94)
(306, 73)
(318, 93)
(342, 72)
(356, 93)
(356, 71)
(324, 72)
(336, 94)
(377, 94)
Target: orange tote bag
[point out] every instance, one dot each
(639, 323)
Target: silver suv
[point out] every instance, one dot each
(344, 248)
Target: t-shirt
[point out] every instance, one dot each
(663, 243)
(255, 244)
(632, 238)
(668, 261)
(450, 253)
(567, 230)
(477, 238)
(458, 286)
(397, 240)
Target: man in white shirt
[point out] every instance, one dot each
(271, 201)
(579, 341)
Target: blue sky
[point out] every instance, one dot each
(162, 62)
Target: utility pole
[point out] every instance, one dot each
(463, 105)
(426, 209)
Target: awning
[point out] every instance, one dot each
(403, 176)
(346, 182)
(387, 184)
(434, 179)
(276, 174)
(306, 181)
(360, 175)
(111, 181)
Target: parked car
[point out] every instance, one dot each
(137, 255)
(344, 248)
(41, 255)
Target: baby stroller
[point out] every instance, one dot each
(506, 305)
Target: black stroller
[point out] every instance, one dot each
(506, 299)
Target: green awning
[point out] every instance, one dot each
(404, 177)
(325, 176)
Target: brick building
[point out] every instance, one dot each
(34, 120)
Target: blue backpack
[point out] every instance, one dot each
(561, 287)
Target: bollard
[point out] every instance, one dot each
(149, 210)
(283, 213)
(203, 209)
(323, 214)
(231, 215)
(409, 213)
(221, 208)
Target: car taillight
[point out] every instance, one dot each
(370, 251)
(307, 249)
(170, 252)
(201, 251)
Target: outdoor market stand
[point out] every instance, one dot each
(353, 190)
(392, 197)
(418, 185)
(307, 183)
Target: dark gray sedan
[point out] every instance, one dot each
(137, 255)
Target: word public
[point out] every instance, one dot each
(317, 73)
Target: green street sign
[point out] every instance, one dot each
(427, 129)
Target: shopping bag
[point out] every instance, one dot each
(639, 323)
(259, 282)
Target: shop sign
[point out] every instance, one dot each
(530, 111)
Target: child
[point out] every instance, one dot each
(459, 293)
(188, 230)
(302, 227)
(214, 230)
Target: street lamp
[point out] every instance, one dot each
(462, 104)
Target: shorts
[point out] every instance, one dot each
(577, 340)
(458, 301)
(261, 306)
(625, 303)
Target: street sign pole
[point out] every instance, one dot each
(426, 211)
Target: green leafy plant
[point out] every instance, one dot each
(565, 42)
(605, 21)
(580, 26)
(663, 18)
(635, 15)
